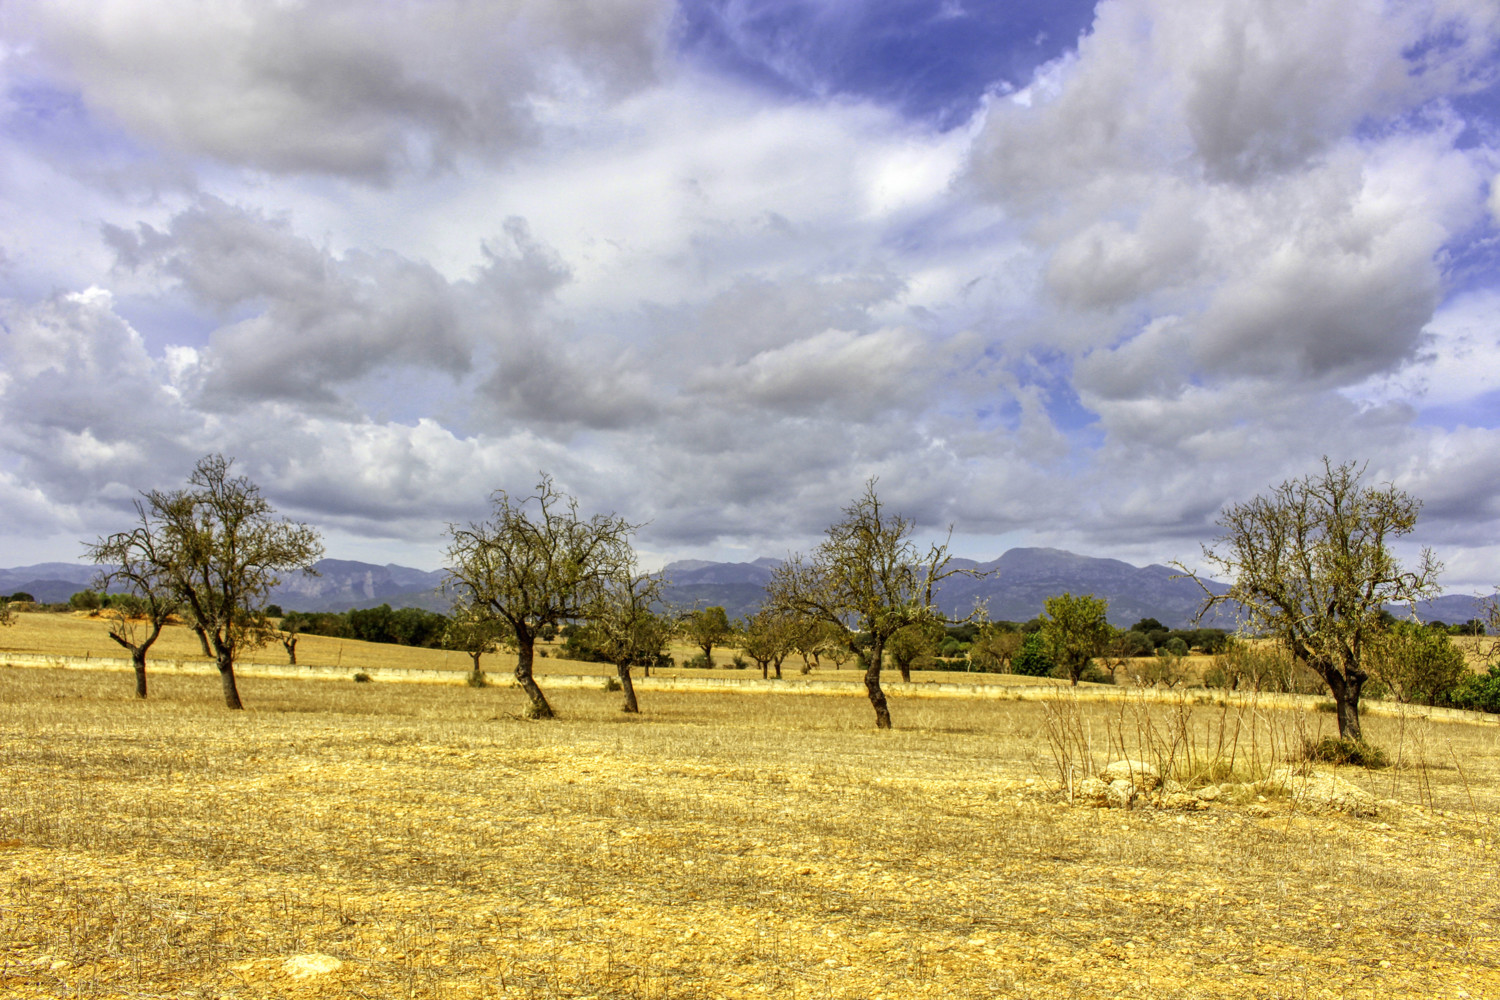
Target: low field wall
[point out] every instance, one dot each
(749, 685)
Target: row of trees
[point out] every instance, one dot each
(1310, 562)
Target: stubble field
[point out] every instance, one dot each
(408, 840)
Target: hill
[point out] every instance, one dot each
(1014, 588)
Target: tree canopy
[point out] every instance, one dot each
(1311, 564)
(536, 563)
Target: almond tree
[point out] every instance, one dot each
(535, 564)
(137, 558)
(1311, 565)
(625, 626)
(867, 576)
(1075, 631)
(221, 550)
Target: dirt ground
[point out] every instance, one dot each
(404, 840)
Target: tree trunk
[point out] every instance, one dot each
(708, 656)
(1346, 703)
(226, 678)
(525, 648)
(872, 686)
(138, 660)
(476, 676)
(623, 671)
(905, 669)
(777, 664)
(291, 650)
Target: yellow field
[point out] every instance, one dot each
(425, 841)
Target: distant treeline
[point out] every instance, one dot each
(400, 626)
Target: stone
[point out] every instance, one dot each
(1322, 792)
(1091, 790)
(1139, 773)
(310, 965)
(1119, 794)
(1209, 793)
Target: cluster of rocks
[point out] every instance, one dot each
(1134, 784)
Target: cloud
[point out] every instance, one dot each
(340, 87)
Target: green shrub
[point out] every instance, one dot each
(612, 684)
(362, 678)
(1032, 660)
(739, 662)
(699, 662)
(1479, 692)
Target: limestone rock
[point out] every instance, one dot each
(1091, 790)
(1322, 791)
(1137, 772)
(1119, 794)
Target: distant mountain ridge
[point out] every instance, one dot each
(1026, 577)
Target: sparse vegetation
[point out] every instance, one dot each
(723, 850)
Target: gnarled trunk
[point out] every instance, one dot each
(525, 649)
(476, 675)
(872, 685)
(226, 678)
(622, 670)
(1346, 692)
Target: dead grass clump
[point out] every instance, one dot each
(1343, 751)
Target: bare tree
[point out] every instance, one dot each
(624, 625)
(1311, 565)
(474, 631)
(769, 636)
(869, 575)
(222, 549)
(139, 559)
(536, 563)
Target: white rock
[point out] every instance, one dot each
(310, 965)
(1137, 772)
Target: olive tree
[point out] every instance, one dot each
(137, 558)
(535, 564)
(867, 574)
(1311, 565)
(221, 548)
(1075, 630)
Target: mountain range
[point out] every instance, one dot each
(1012, 587)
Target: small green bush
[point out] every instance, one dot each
(612, 684)
(699, 662)
(1344, 752)
(362, 678)
(739, 662)
(477, 680)
(1032, 660)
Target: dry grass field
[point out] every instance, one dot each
(423, 841)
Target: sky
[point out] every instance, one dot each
(1054, 273)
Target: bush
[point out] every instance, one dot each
(1479, 692)
(612, 684)
(85, 600)
(1345, 752)
(739, 662)
(362, 678)
(699, 662)
(1032, 660)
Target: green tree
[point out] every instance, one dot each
(912, 645)
(707, 628)
(222, 549)
(535, 563)
(1418, 664)
(869, 574)
(1075, 630)
(768, 637)
(1311, 565)
(1032, 659)
(995, 648)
